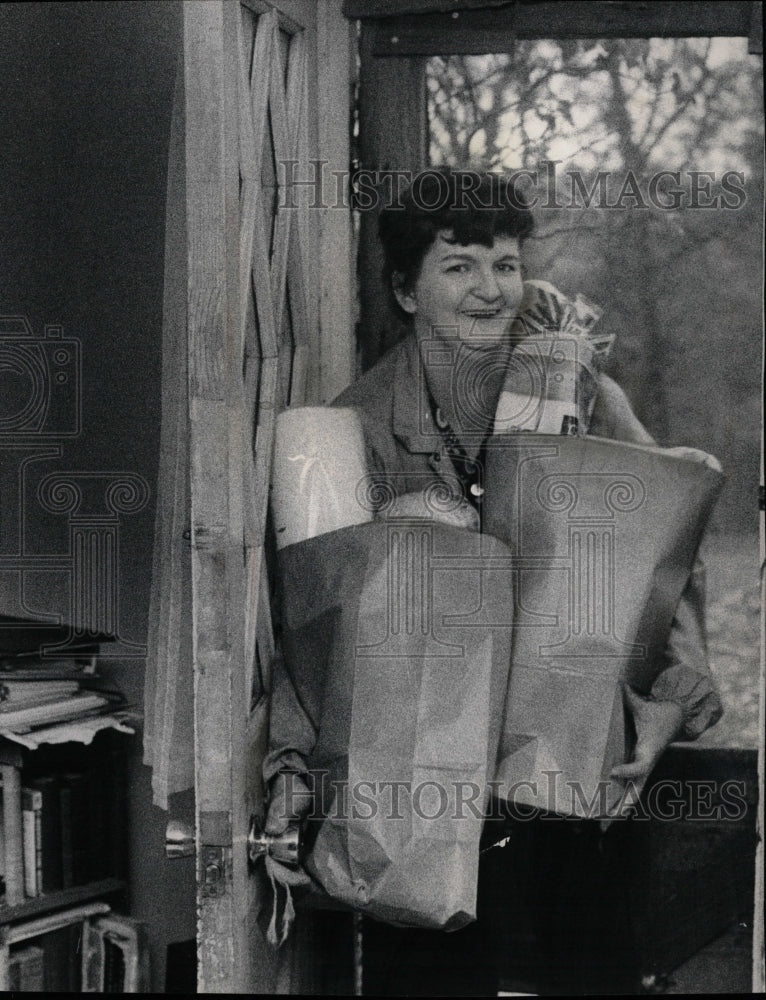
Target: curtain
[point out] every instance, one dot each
(169, 683)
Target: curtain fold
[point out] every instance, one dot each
(169, 682)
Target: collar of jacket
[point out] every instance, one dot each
(413, 422)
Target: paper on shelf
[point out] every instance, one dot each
(76, 731)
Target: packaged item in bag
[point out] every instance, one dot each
(552, 376)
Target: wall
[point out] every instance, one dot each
(84, 123)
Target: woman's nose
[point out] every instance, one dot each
(486, 286)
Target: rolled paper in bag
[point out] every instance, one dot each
(318, 464)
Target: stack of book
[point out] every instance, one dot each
(25, 705)
(37, 701)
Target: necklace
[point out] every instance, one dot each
(470, 470)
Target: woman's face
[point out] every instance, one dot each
(470, 292)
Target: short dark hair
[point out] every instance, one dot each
(475, 206)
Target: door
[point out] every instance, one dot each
(595, 107)
(254, 347)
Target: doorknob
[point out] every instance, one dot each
(284, 847)
(179, 839)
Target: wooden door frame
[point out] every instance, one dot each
(226, 534)
(216, 531)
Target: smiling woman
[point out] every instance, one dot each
(453, 263)
(474, 291)
(427, 411)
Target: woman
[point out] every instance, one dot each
(454, 253)
(454, 262)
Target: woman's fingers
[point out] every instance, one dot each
(656, 723)
(289, 801)
(632, 771)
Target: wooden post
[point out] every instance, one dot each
(393, 132)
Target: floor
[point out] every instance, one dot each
(724, 966)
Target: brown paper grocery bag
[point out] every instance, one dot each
(396, 641)
(604, 536)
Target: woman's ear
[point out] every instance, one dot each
(406, 299)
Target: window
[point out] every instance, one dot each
(643, 158)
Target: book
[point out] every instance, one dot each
(31, 806)
(97, 830)
(42, 835)
(17, 693)
(75, 836)
(62, 949)
(57, 670)
(25, 969)
(2, 849)
(69, 707)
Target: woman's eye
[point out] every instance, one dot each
(507, 268)
(457, 269)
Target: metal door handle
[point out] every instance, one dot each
(180, 839)
(284, 847)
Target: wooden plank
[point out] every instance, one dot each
(264, 440)
(61, 898)
(336, 280)
(253, 556)
(283, 150)
(206, 249)
(755, 37)
(208, 150)
(759, 936)
(261, 273)
(5, 954)
(392, 129)
(210, 557)
(388, 8)
(475, 32)
(168, 739)
(249, 157)
(259, 84)
(303, 323)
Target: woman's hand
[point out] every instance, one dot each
(657, 723)
(289, 801)
(460, 514)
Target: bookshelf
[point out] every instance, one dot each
(99, 829)
(100, 822)
(61, 898)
